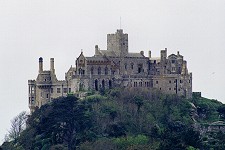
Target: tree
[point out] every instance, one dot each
(63, 122)
(221, 111)
(18, 124)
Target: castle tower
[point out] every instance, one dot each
(118, 43)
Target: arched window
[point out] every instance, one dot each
(96, 85)
(99, 70)
(110, 84)
(132, 66)
(106, 70)
(125, 66)
(103, 84)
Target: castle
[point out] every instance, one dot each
(114, 67)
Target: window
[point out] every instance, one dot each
(180, 81)
(106, 70)
(51, 90)
(140, 68)
(32, 90)
(140, 84)
(157, 82)
(92, 70)
(64, 90)
(132, 66)
(99, 70)
(69, 90)
(169, 88)
(170, 81)
(173, 61)
(125, 66)
(47, 96)
(58, 90)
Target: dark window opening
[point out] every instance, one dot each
(58, 90)
(132, 66)
(103, 84)
(106, 70)
(110, 84)
(96, 85)
(99, 71)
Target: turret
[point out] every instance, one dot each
(40, 65)
(52, 68)
(163, 54)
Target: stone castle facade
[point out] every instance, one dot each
(114, 67)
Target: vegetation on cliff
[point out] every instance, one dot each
(123, 119)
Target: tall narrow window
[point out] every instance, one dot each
(92, 70)
(58, 90)
(106, 70)
(132, 66)
(96, 85)
(103, 84)
(110, 84)
(99, 70)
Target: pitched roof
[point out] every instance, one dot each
(134, 55)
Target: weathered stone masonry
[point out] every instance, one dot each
(114, 67)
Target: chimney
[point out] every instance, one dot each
(52, 68)
(40, 65)
(142, 53)
(96, 50)
(149, 54)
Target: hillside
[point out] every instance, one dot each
(122, 119)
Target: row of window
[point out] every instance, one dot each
(174, 81)
(170, 89)
(142, 84)
(106, 71)
(58, 90)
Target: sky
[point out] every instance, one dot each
(59, 29)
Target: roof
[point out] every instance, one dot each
(107, 52)
(134, 55)
(96, 59)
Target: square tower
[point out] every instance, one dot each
(118, 43)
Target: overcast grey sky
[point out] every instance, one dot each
(60, 29)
